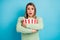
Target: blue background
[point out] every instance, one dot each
(10, 10)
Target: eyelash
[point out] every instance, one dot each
(32, 8)
(29, 8)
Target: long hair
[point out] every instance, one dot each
(26, 15)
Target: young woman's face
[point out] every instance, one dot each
(30, 10)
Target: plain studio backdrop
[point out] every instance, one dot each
(10, 10)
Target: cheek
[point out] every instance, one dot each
(32, 14)
(28, 11)
(33, 11)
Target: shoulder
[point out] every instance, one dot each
(20, 18)
(39, 18)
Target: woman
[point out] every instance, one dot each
(29, 31)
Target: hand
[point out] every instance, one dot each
(33, 30)
(35, 21)
(24, 24)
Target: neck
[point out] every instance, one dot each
(30, 17)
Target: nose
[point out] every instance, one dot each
(30, 10)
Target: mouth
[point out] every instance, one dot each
(30, 13)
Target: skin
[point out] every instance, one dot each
(30, 12)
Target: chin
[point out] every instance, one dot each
(30, 16)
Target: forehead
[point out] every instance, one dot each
(30, 6)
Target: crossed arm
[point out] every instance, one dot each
(37, 26)
(29, 27)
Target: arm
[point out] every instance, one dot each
(37, 26)
(21, 29)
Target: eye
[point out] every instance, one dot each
(32, 8)
(28, 8)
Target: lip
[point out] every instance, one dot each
(30, 13)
